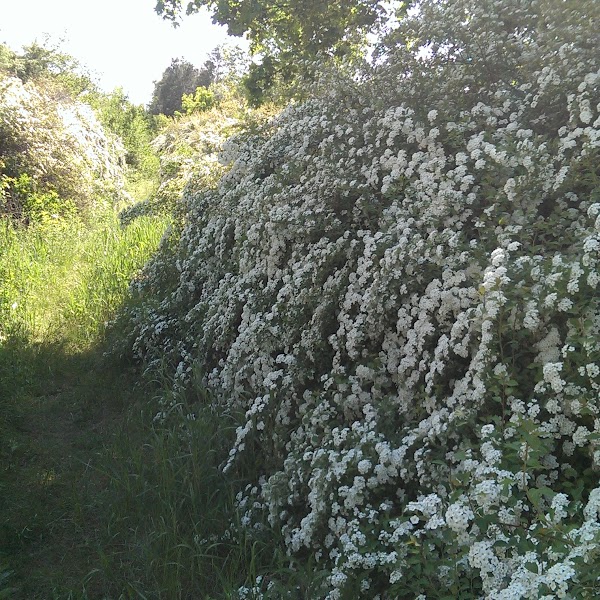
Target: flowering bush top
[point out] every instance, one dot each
(189, 147)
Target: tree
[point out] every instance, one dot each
(179, 78)
(287, 33)
(227, 65)
(226, 62)
(307, 26)
(46, 61)
(201, 100)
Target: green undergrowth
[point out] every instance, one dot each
(103, 503)
(99, 499)
(60, 281)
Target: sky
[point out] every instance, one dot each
(123, 42)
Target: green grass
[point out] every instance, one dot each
(60, 282)
(98, 500)
(68, 274)
(50, 494)
(103, 503)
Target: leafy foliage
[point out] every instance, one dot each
(227, 64)
(179, 78)
(53, 148)
(289, 36)
(132, 124)
(43, 167)
(307, 27)
(201, 100)
(47, 62)
(395, 285)
(189, 145)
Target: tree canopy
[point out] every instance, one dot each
(288, 32)
(46, 61)
(179, 78)
(305, 25)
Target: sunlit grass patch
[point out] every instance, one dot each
(68, 275)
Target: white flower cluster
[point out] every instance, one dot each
(189, 148)
(61, 142)
(396, 285)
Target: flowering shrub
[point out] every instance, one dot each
(396, 285)
(189, 147)
(54, 154)
(186, 145)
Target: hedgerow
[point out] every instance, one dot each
(189, 147)
(396, 285)
(55, 157)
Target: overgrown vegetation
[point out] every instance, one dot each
(55, 156)
(134, 127)
(98, 498)
(101, 500)
(190, 147)
(61, 282)
(394, 287)
(46, 62)
(364, 361)
(66, 146)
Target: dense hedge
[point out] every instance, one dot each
(55, 157)
(396, 285)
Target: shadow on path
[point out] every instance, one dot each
(57, 412)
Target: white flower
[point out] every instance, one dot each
(551, 375)
(458, 516)
(487, 430)
(432, 115)
(557, 577)
(364, 466)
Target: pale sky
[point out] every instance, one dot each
(124, 42)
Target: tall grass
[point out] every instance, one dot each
(98, 499)
(69, 275)
(60, 281)
(174, 531)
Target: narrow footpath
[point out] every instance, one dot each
(59, 416)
